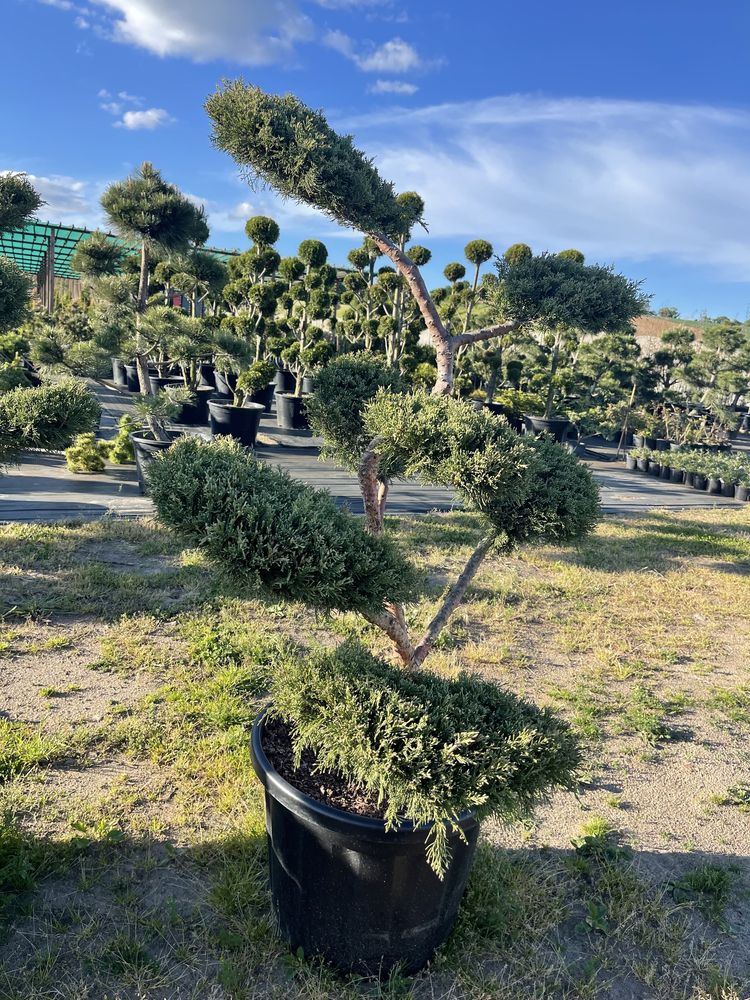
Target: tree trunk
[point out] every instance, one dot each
(141, 363)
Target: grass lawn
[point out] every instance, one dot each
(132, 840)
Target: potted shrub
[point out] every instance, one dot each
(654, 464)
(240, 418)
(742, 490)
(402, 870)
(631, 463)
(260, 383)
(152, 438)
(291, 413)
(641, 456)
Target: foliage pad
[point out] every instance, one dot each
(429, 748)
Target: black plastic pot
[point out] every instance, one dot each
(239, 422)
(285, 381)
(727, 489)
(673, 446)
(344, 888)
(742, 493)
(162, 381)
(264, 396)
(713, 485)
(642, 464)
(662, 444)
(308, 383)
(208, 376)
(119, 376)
(699, 481)
(666, 472)
(291, 414)
(654, 468)
(558, 427)
(630, 463)
(677, 475)
(131, 378)
(195, 414)
(225, 382)
(689, 478)
(639, 440)
(146, 449)
(649, 442)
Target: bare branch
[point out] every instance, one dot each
(451, 601)
(491, 331)
(369, 486)
(391, 621)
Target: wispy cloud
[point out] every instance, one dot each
(393, 56)
(393, 87)
(619, 179)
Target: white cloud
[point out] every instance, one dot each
(68, 200)
(619, 179)
(253, 32)
(60, 4)
(149, 119)
(394, 56)
(393, 87)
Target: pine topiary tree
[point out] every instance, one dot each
(86, 454)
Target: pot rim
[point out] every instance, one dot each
(231, 406)
(140, 435)
(290, 395)
(303, 805)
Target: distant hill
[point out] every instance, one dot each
(648, 330)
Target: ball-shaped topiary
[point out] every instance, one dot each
(313, 253)
(572, 254)
(262, 230)
(454, 271)
(419, 255)
(15, 289)
(86, 454)
(359, 258)
(518, 252)
(478, 251)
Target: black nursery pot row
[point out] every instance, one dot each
(695, 480)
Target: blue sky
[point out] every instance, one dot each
(621, 129)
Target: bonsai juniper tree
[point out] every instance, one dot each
(145, 209)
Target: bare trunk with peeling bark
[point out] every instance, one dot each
(445, 343)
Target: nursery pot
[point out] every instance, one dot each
(119, 376)
(642, 464)
(662, 444)
(225, 382)
(558, 427)
(689, 478)
(264, 396)
(714, 485)
(146, 448)
(308, 383)
(654, 468)
(503, 411)
(727, 489)
(284, 380)
(162, 381)
(195, 413)
(699, 481)
(639, 440)
(666, 472)
(291, 414)
(131, 378)
(630, 463)
(677, 475)
(742, 493)
(208, 376)
(346, 889)
(239, 422)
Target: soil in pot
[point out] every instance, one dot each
(195, 414)
(146, 448)
(225, 382)
(238, 422)
(558, 427)
(291, 414)
(162, 381)
(343, 887)
(285, 381)
(264, 396)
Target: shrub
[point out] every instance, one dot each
(429, 748)
(335, 411)
(274, 534)
(120, 448)
(86, 454)
(13, 375)
(527, 489)
(48, 417)
(87, 360)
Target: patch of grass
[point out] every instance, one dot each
(733, 703)
(23, 748)
(708, 887)
(737, 795)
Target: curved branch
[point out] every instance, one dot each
(499, 330)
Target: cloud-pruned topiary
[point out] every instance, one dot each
(15, 288)
(273, 534)
(429, 747)
(529, 490)
(342, 390)
(281, 141)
